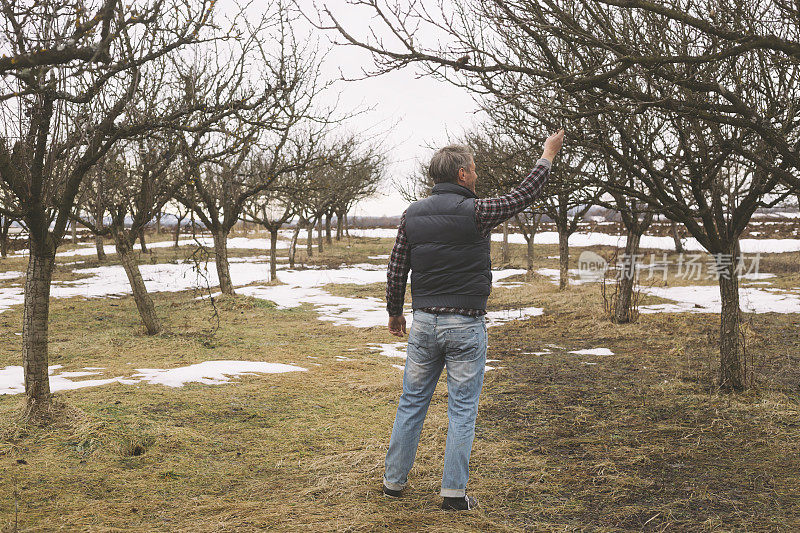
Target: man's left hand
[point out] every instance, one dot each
(397, 325)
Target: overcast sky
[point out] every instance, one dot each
(411, 111)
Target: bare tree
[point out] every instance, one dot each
(272, 208)
(691, 160)
(224, 186)
(636, 218)
(718, 77)
(63, 104)
(359, 168)
(316, 198)
(91, 205)
(180, 215)
(568, 199)
(362, 170)
(132, 186)
(528, 222)
(136, 179)
(278, 129)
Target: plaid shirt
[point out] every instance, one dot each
(489, 212)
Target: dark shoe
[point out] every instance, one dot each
(462, 503)
(392, 493)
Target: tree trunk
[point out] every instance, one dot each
(504, 252)
(346, 225)
(319, 236)
(35, 317)
(74, 232)
(530, 252)
(563, 259)
(339, 226)
(221, 259)
(4, 236)
(177, 236)
(676, 238)
(293, 245)
(158, 223)
(328, 229)
(273, 254)
(142, 242)
(310, 239)
(144, 303)
(98, 244)
(624, 298)
(797, 220)
(731, 376)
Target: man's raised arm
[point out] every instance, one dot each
(490, 212)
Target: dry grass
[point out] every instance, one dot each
(639, 440)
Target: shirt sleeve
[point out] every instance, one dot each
(397, 273)
(489, 212)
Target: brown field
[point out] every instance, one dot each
(639, 440)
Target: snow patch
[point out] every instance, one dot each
(305, 286)
(496, 318)
(706, 299)
(593, 351)
(207, 372)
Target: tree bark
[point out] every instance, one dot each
(731, 376)
(144, 303)
(142, 242)
(74, 232)
(346, 225)
(624, 298)
(676, 238)
(504, 251)
(221, 259)
(98, 244)
(310, 239)
(293, 245)
(319, 236)
(528, 229)
(6, 225)
(273, 254)
(35, 317)
(339, 226)
(177, 235)
(563, 259)
(328, 229)
(530, 253)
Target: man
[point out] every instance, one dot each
(444, 241)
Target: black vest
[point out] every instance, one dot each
(450, 260)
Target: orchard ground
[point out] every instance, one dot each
(628, 438)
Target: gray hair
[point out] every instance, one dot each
(446, 162)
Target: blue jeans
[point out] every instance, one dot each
(436, 341)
